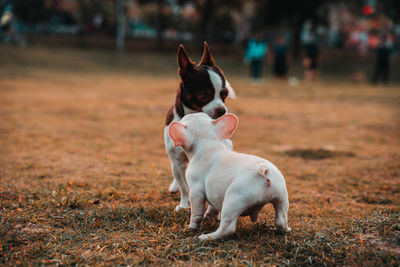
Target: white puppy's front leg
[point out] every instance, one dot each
(197, 205)
(173, 187)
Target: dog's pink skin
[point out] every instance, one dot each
(233, 183)
(205, 80)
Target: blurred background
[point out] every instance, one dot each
(356, 38)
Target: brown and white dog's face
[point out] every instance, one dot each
(203, 87)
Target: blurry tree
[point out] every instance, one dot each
(214, 23)
(289, 12)
(207, 11)
(88, 9)
(224, 30)
(40, 11)
(215, 17)
(33, 11)
(392, 8)
(161, 20)
(157, 16)
(121, 24)
(210, 20)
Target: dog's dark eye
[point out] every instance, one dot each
(224, 94)
(204, 98)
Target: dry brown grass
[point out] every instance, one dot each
(84, 174)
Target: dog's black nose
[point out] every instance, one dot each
(219, 112)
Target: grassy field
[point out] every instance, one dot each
(84, 174)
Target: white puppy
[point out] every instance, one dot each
(234, 183)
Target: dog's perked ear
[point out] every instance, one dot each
(177, 132)
(184, 62)
(226, 125)
(207, 58)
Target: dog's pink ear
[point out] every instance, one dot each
(177, 132)
(184, 62)
(226, 125)
(207, 58)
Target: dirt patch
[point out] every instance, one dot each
(392, 245)
(374, 199)
(317, 154)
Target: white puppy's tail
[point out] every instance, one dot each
(263, 171)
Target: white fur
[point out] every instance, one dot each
(231, 182)
(215, 80)
(217, 101)
(231, 92)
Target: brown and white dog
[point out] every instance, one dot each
(203, 88)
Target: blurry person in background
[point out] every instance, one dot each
(254, 55)
(309, 39)
(280, 66)
(8, 27)
(383, 54)
(6, 24)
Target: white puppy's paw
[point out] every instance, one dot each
(287, 229)
(204, 237)
(194, 226)
(173, 187)
(181, 207)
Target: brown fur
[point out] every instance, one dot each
(170, 115)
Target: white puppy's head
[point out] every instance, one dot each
(199, 126)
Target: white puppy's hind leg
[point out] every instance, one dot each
(281, 209)
(232, 207)
(226, 227)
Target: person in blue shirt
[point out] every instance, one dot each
(255, 52)
(280, 66)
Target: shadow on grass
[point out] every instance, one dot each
(316, 154)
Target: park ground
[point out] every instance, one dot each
(84, 174)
